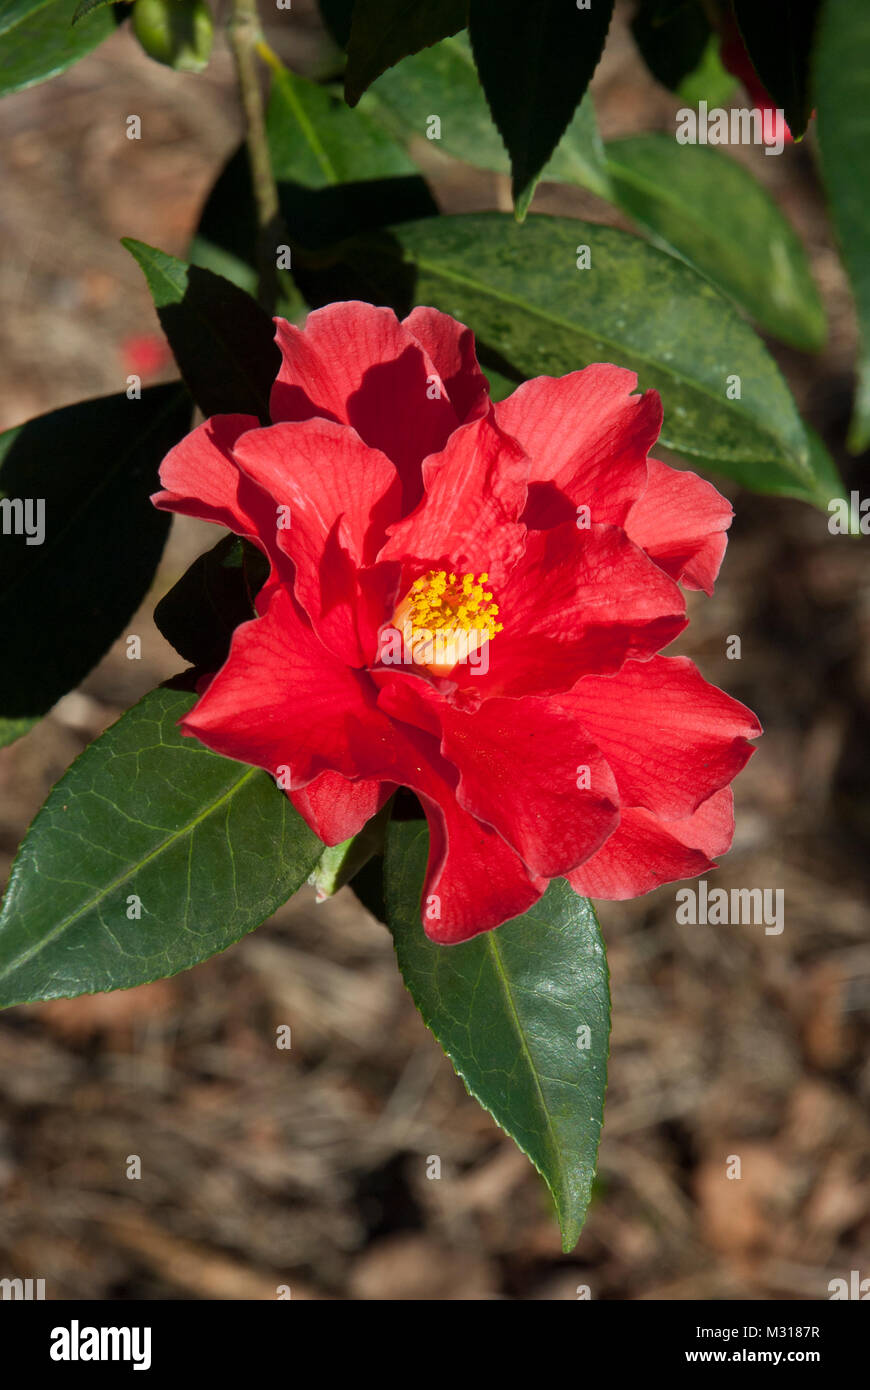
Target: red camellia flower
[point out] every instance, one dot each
(468, 600)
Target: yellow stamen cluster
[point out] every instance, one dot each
(439, 599)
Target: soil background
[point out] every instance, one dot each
(308, 1167)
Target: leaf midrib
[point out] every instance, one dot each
(25, 956)
(501, 975)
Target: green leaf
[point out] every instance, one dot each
(338, 173)
(672, 36)
(535, 62)
(64, 601)
(86, 7)
(778, 36)
(444, 80)
(200, 613)
(222, 340)
(509, 1008)
(713, 212)
(710, 81)
(208, 847)
(842, 85)
(37, 40)
(383, 32)
(519, 289)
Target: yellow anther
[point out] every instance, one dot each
(441, 600)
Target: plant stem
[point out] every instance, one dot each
(244, 34)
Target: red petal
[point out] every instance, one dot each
(588, 438)
(578, 601)
(282, 699)
(671, 738)
(357, 364)
(450, 346)
(201, 478)
(680, 521)
(519, 763)
(336, 809)
(324, 473)
(340, 495)
(474, 881)
(468, 518)
(644, 853)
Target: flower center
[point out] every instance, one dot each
(447, 619)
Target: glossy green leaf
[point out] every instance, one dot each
(338, 172)
(709, 209)
(535, 62)
(86, 7)
(200, 613)
(523, 1013)
(842, 86)
(443, 80)
(222, 340)
(383, 32)
(520, 289)
(778, 36)
(65, 598)
(146, 822)
(37, 40)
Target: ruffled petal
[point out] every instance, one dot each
(578, 601)
(680, 521)
(588, 438)
(282, 700)
(450, 347)
(468, 518)
(474, 880)
(643, 853)
(333, 497)
(201, 478)
(526, 768)
(671, 738)
(357, 364)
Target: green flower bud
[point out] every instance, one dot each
(178, 33)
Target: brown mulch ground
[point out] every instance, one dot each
(307, 1167)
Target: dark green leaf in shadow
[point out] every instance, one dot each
(444, 80)
(383, 32)
(88, 470)
(778, 36)
(201, 612)
(222, 340)
(535, 63)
